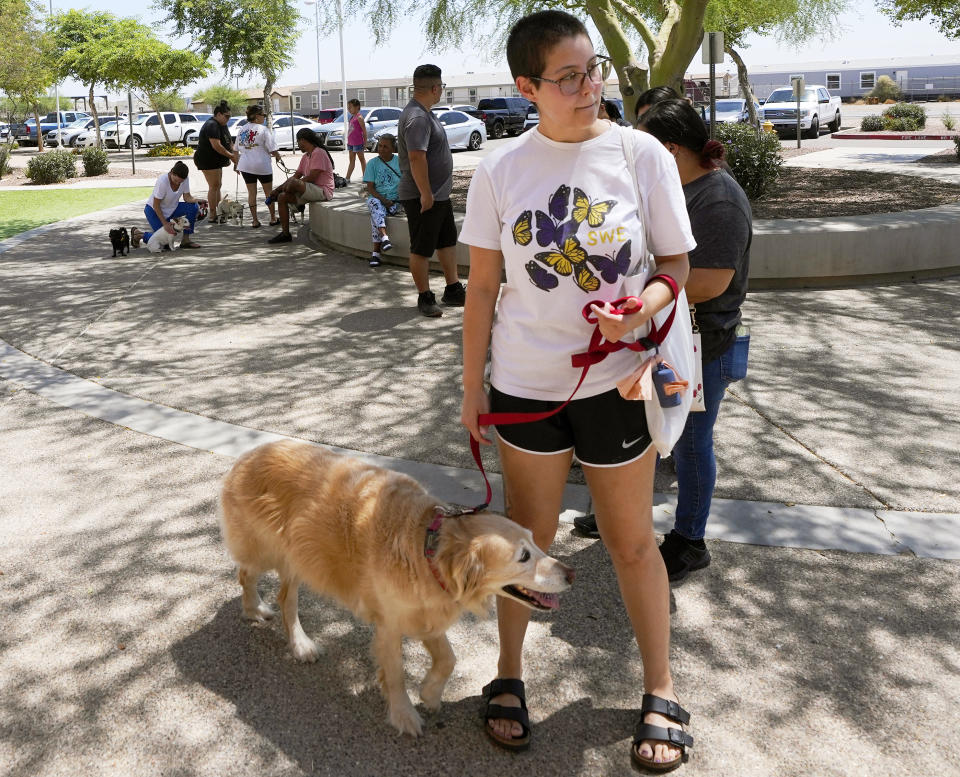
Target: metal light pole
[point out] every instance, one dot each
(343, 72)
(56, 97)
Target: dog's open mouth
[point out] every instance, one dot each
(535, 599)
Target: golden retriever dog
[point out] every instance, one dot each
(378, 543)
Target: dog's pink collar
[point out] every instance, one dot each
(430, 543)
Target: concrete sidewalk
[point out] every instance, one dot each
(122, 650)
(898, 158)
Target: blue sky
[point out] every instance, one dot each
(863, 32)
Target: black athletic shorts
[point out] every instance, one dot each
(605, 430)
(249, 178)
(432, 230)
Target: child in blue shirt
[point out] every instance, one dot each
(382, 176)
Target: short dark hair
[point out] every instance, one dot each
(389, 137)
(424, 73)
(180, 170)
(354, 101)
(676, 121)
(653, 96)
(532, 37)
(222, 107)
(613, 112)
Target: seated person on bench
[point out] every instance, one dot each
(313, 181)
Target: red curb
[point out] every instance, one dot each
(894, 136)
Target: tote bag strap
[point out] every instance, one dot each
(626, 140)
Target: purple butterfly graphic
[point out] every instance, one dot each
(610, 269)
(549, 231)
(558, 202)
(540, 278)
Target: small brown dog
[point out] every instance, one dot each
(377, 542)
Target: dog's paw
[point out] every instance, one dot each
(263, 612)
(405, 719)
(431, 693)
(305, 650)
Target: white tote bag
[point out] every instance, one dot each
(664, 423)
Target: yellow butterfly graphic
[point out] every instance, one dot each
(522, 234)
(563, 260)
(586, 280)
(593, 212)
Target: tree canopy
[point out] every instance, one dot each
(248, 36)
(26, 69)
(944, 13)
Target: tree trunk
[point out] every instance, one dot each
(267, 91)
(745, 89)
(163, 127)
(633, 79)
(680, 36)
(96, 120)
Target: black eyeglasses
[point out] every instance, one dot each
(572, 83)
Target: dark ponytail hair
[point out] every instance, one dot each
(307, 134)
(676, 121)
(222, 107)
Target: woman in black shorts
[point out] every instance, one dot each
(214, 152)
(559, 212)
(256, 144)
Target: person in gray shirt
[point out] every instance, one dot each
(426, 180)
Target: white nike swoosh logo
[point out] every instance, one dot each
(630, 444)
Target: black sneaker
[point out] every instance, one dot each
(586, 525)
(283, 237)
(374, 261)
(454, 295)
(682, 556)
(427, 305)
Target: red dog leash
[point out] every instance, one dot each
(596, 352)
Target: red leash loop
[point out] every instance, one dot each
(596, 352)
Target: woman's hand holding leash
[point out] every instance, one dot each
(614, 322)
(475, 403)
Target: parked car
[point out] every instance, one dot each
(326, 115)
(470, 110)
(286, 138)
(533, 118)
(817, 107)
(26, 133)
(503, 115)
(68, 135)
(88, 138)
(4, 131)
(192, 122)
(730, 112)
(463, 131)
(146, 131)
(378, 117)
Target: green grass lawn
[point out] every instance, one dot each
(23, 210)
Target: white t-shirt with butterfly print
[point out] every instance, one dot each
(564, 215)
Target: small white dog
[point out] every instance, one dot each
(227, 209)
(162, 238)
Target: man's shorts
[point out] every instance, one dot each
(249, 178)
(432, 230)
(312, 193)
(604, 430)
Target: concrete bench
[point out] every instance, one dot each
(833, 251)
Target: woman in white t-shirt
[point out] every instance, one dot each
(256, 144)
(557, 211)
(165, 204)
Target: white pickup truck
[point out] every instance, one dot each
(148, 132)
(817, 108)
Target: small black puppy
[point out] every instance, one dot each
(120, 240)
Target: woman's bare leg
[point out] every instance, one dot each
(214, 179)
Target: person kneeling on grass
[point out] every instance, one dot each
(313, 181)
(164, 204)
(382, 176)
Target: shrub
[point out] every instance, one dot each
(885, 89)
(871, 123)
(52, 167)
(168, 149)
(95, 161)
(948, 121)
(754, 158)
(900, 125)
(916, 113)
(5, 151)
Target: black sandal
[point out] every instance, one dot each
(676, 737)
(518, 714)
